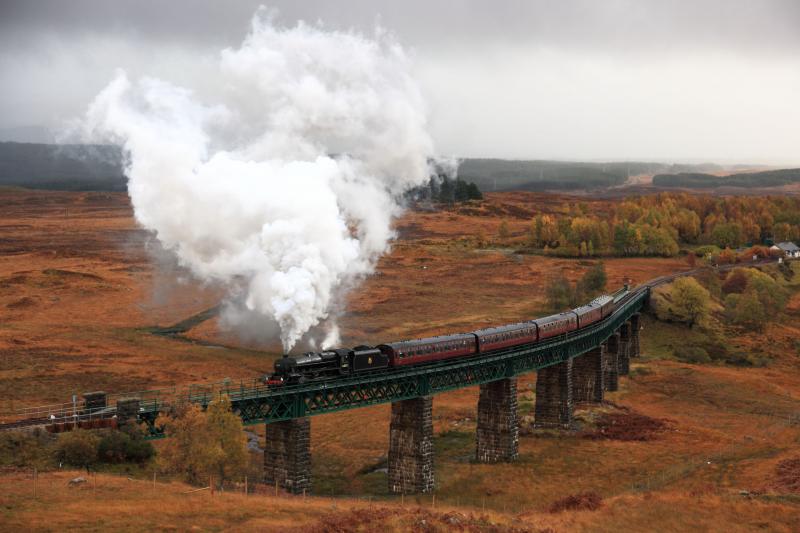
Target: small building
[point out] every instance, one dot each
(788, 249)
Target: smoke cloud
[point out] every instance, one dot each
(282, 180)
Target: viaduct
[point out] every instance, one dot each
(575, 367)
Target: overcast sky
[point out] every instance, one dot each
(699, 80)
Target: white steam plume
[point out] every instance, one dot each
(285, 188)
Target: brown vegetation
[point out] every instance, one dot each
(627, 426)
(586, 501)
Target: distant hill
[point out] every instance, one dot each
(98, 167)
(769, 178)
(62, 167)
(505, 175)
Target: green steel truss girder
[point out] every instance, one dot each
(259, 405)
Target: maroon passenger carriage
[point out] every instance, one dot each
(553, 325)
(504, 336)
(417, 351)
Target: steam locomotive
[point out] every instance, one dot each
(330, 364)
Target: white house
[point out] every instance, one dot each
(789, 249)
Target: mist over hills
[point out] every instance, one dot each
(81, 167)
(72, 167)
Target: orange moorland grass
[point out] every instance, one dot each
(78, 294)
(121, 504)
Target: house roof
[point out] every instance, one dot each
(788, 246)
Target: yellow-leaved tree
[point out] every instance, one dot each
(207, 443)
(688, 302)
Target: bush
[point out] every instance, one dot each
(593, 281)
(560, 294)
(77, 448)
(692, 354)
(710, 280)
(119, 447)
(204, 443)
(708, 250)
(736, 282)
(28, 448)
(686, 301)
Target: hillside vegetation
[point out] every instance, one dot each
(695, 180)
(521, 175)
(661, 224)
(99, 167)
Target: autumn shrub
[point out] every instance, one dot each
(593, 281)
(725, 257)
(736, 282)
(710, 280)
(124, 447)
(707, 250)
(754, 298)
(685, 301)
(692, 354)
(204, 443)
(26, 448)
(77, 448)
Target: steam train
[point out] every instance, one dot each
(330, 364)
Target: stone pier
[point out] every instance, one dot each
(287, 455)
(635, 327)
(624, 349)
(497, 436)
(611, 366)
(411, 446)
(554, 396)
(587, 376)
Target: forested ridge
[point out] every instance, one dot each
(660, 224)
(694, 180)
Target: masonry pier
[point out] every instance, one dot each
(635, 327)
(611, 364)
(411, 446)
(554, 396)
(624, 349)
(497, 434)
(287, 455)
(587, 376)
